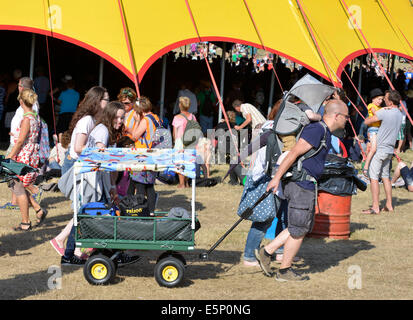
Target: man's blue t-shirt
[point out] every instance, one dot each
(313, 133)
(70, 99)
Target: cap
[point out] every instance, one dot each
(66, 78)
(375, 93)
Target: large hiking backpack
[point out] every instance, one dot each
(290, 118)
(162, 138)
(192, 132)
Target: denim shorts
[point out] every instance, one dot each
(372, 130)
(300, 209)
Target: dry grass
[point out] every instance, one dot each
(379, 245)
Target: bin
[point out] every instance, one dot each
(332, 216)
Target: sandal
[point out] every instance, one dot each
(369, 211)
(19, 227)
(385, 209)
(43, 216)
(366, 173)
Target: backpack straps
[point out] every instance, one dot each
(187, 117)
(155, 122)
(313, 151)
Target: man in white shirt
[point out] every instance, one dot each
(250, 113)
(24, 83)
(186, 92)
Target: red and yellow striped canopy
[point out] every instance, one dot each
(156, 27)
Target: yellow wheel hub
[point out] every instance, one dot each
(99, 271)
(170, 273)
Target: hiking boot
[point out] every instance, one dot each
(264, 260)
(72, 261)
(123, 259)
(290, 275)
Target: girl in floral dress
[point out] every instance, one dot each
(26, 150)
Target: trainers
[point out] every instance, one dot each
(55, 245)
(290, 275)
(123, 259)
(72, 261)
(264, 261)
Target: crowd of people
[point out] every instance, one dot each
(96, 119)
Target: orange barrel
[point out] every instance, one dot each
(332, 217)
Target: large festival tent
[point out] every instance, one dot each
(321, 35)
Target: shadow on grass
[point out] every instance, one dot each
(196, 269)
(319, 254)
(359, 226)
(25, 285)
(21, 241)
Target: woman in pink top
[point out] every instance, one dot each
(179, 124)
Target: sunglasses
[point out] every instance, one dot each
(344, 115)
(127, 92)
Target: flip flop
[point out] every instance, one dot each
(369, 211)
(385, 209)
(19, 227)
(366, 173)
(41, 219)
(10, 206)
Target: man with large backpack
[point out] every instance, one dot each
(300, 188)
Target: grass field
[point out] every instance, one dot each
(373, 264)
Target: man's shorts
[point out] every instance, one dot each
(380, 166)
(400, 135)
(300, 209)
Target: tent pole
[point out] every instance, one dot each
(101, 64)
(221, 89)
(271, 97)
(360, 71)
(393, 58)
(32, 55)
(162, 100)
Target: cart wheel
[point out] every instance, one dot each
(169, 272)
(99, 269)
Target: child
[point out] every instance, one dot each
(123, 180)
(376, 96)
(290, 140)
(57, 154)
